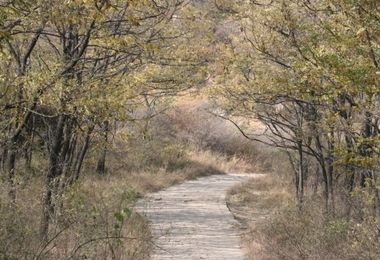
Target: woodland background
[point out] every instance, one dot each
(102, 101)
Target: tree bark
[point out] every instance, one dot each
(51, 184)
(101, 167)
(301, 176)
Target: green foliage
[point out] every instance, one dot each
(15, 233)
(125, 213)
(334, 230)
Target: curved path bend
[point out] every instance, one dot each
(192, 221)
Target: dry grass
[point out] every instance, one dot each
(221, 162)
(84, 227)
(252, 203)
(96, 218)
(276, 228)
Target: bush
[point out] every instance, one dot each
(95, 221)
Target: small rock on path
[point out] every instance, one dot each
(192, 221)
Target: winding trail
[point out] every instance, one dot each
(192, 221)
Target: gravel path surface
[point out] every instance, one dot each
(192, 221)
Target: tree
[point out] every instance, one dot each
(308, 70)
(86, 64)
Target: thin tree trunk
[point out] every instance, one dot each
(301, 176)
(350, 179)
(51, 178)
(10, 169)
(101, 167)
(326, 182)
(82, 154)
(29, 148)
(330, 174)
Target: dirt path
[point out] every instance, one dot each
(192, 221)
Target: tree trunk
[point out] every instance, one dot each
(326, 181)
(10, 169)
(101, 167)
(82, 154)
(350, 179)
(52, 177)
(301, 176)
(330, 173)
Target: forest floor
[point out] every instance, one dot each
(192, 220)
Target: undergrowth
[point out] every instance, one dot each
(276, 227)
(96, 218)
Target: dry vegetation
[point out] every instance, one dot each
(254, 201)
(275, 227)
(96, 219)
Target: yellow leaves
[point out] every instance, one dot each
(361, 31)
(4, 34)
(132, 3)
(365, 195)
(128, 39)
(115, 48)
